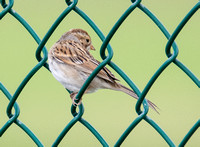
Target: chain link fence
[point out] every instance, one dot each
(171, 50)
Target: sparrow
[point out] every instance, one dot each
(71, 63)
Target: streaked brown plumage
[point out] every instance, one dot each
(71, 63)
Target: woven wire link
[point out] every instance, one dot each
(41, 56)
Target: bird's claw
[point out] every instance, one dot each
(74, 99)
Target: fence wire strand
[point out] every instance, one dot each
(41, 56)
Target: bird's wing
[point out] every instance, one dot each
(72, 53)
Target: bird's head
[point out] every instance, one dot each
(80, 36)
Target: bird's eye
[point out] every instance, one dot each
(87, 40)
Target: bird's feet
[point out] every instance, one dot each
(73, 97)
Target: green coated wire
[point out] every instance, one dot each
(12, 117)
(23, 83)
(173, 37)
(78, 116)
(190, 133)
(136, 121)
(6, 7)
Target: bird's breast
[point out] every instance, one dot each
(67, 75)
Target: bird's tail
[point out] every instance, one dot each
(134, 95)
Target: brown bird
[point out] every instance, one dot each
(71, 64)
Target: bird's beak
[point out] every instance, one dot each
(92, 47)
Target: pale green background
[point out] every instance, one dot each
(139, 49)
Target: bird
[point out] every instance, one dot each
(71, 63)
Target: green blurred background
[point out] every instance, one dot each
(139, 49)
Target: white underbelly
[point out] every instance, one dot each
(72, 79)
(67, 75)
